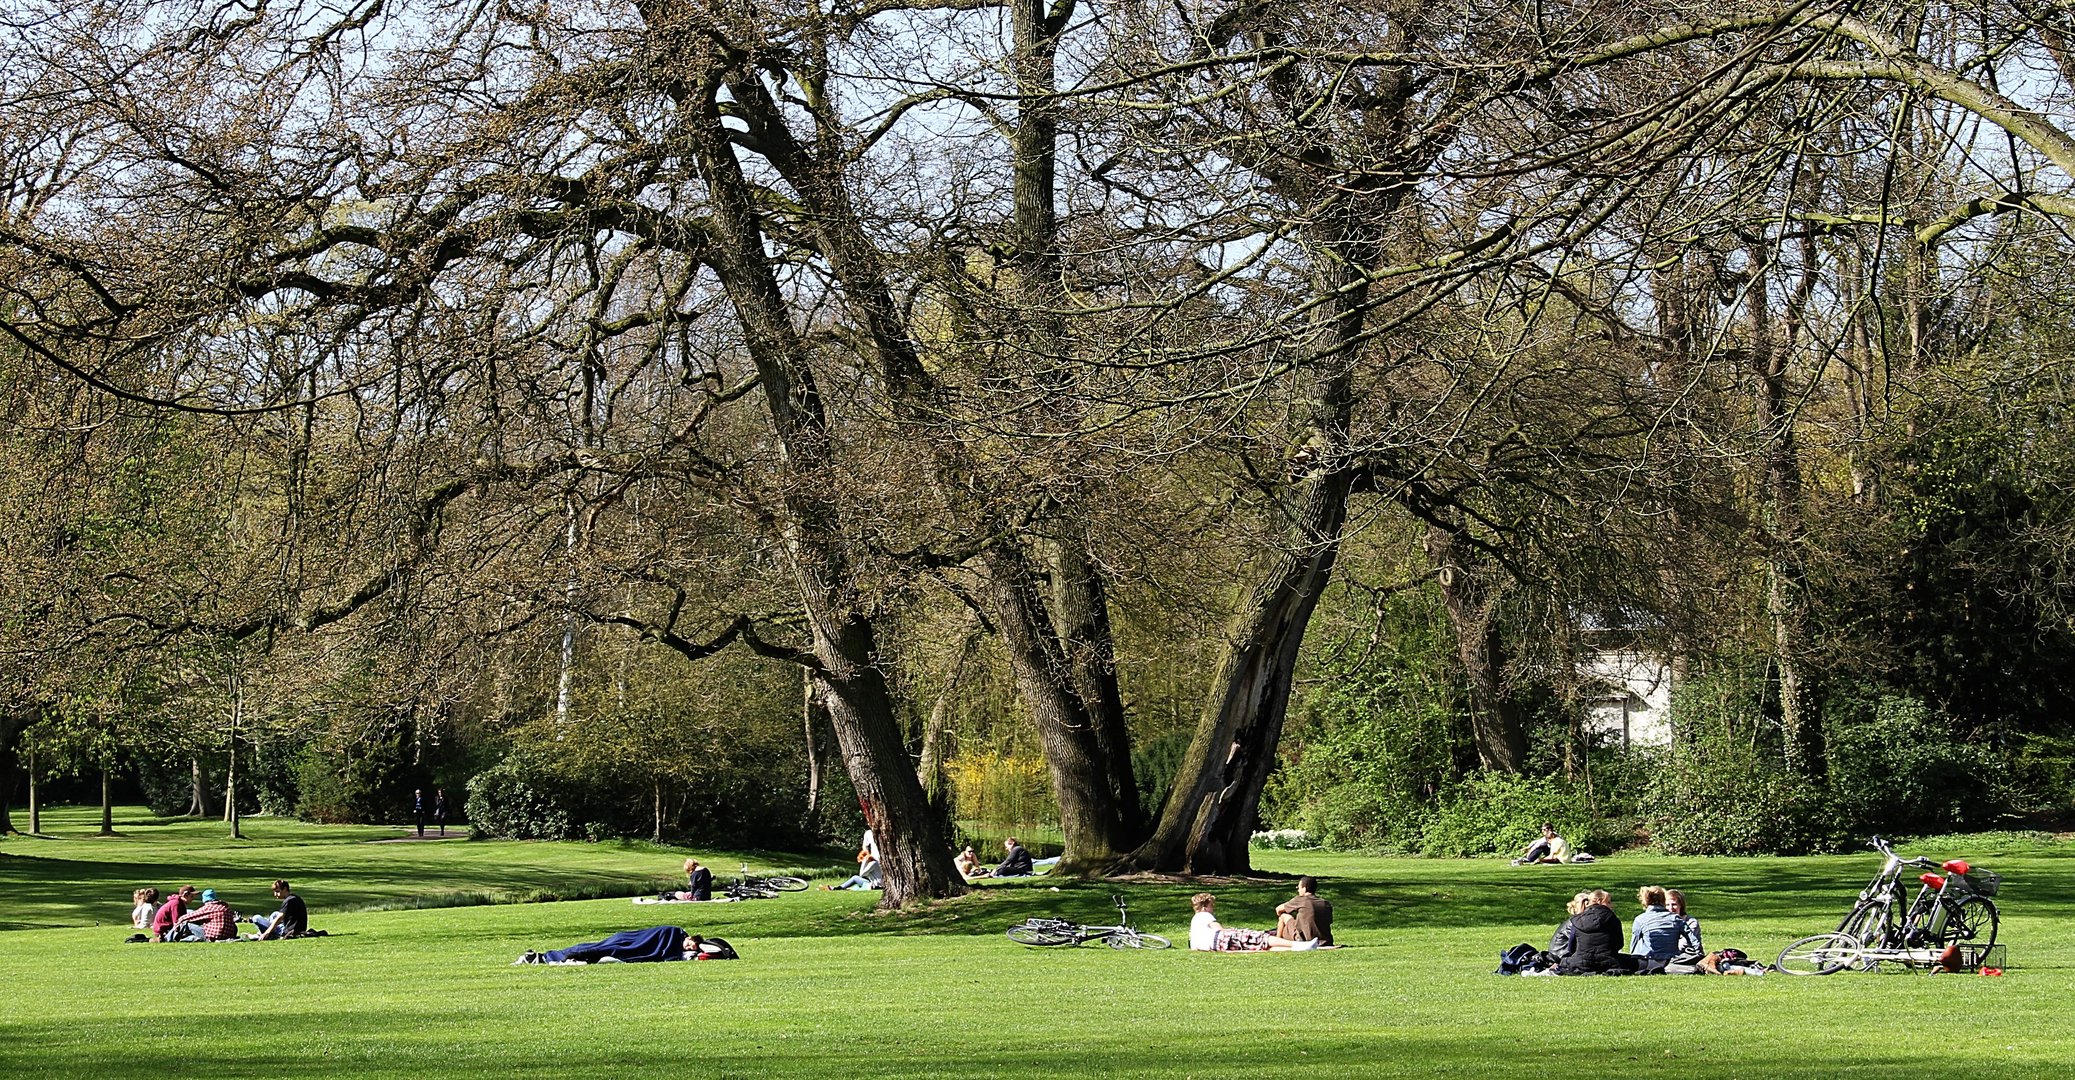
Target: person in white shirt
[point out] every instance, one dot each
(147, 900)
(1206, 935)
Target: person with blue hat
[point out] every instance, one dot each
(213, 921)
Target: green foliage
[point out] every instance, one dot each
(1377, 741)
(1899, 767)
(519, 798)
(1494, 813)
(1154, 764)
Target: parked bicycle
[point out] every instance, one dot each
(1953, 908)
(747, 886)
(1048, 932)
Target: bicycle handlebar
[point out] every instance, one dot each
(1881, 846)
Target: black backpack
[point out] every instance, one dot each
(713, 948)
(1519, 958)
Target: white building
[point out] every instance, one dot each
(1628, 687)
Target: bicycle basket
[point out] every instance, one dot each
(1972, 957)
(1983, 882)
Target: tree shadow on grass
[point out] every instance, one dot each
(360, 1041)
(1456, 894)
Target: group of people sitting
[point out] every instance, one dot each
(1303, 922)
(1662, 940)
(191, 915)
(1016, 862)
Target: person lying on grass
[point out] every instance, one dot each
(653, 945)
(1206, 935)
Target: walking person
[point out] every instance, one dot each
(418, 809)
(439, 809)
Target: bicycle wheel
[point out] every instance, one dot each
(1871, 923)
(1039, 936)
(1132, 939)
(1972, 920)
(785, 884)
(1818, 954)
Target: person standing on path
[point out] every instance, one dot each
(418, 809)
(439, 809)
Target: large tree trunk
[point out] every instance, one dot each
(1472, 599)
(1097, 824)
(1209, 815)
(1084, 737)
(107, 807)
(914, 845)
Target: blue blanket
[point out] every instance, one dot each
(633, 946)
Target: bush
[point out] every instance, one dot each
(168, 784)
(1721, 797)
(1500, 812)
(1903, 768)
(517, 798)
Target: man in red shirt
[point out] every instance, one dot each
(213, 921)
(170, 912)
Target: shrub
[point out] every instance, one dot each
(517, 798)
(1721, 797)
(1903, 768)
(1500, 812)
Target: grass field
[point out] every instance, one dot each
(828, 988)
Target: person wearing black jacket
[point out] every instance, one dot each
(698, 881)
(1018, 863)
(1596, 941)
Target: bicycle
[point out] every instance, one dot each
(750, 887)
(1950, 909)
(1041, 933)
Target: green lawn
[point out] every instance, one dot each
(828, 988)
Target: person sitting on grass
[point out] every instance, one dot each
(1016, 861)
(213, 921)
(171, 911)
(1689, 927)
(1547, 848)
(868, 875)
(698, 882)
(1207, 935)
(1565, 940)
(290, 920)
(968, 863)
(1595, 941)
(653, 945)
(1655, 932)
(146, 900)
(1305, 917)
